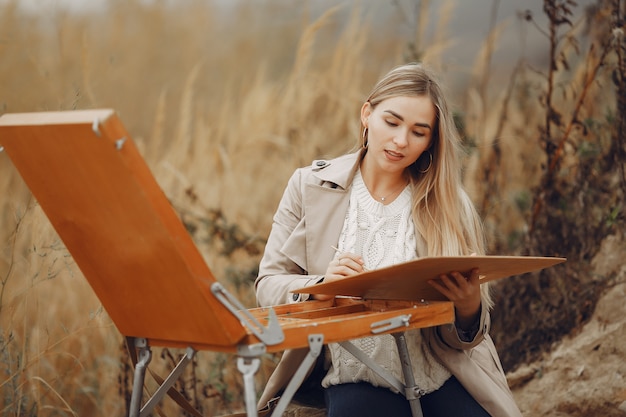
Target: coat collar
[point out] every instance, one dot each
(325, 201)
(339, 171)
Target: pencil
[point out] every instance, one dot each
(340, 252)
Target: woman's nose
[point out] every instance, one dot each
(401, 139)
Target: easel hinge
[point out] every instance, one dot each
(270, 335)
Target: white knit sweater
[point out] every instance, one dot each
(383, 235)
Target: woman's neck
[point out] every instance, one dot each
(383, 185)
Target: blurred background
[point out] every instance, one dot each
(226, 98)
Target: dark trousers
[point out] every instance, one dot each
(365, 400)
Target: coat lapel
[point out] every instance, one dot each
(326, 195)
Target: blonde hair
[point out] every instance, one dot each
(443, 213)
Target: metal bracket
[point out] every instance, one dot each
(270, 335)
(251, 351)
(120, 143)
(391, 324)
(96, 127)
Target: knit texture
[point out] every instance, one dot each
(383, 235)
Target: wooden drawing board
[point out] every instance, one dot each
(95, 188)
(409, 281)
(98, 193)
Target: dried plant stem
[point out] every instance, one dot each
(552, 37)
(489, 47)
(590, 78)
(56, 393)
(490, 173)
(555, 156)
(618, 150)
(305, 46)
(12, 244)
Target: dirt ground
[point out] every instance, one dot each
(585, 373)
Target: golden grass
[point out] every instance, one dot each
(223, 110)
(208, 107)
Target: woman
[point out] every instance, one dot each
(397, 198)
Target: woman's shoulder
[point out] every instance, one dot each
(343, 161)
(337, 170)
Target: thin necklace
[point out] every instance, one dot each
(393, 192)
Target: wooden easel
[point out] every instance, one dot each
(101, 198)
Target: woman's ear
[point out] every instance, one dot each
(366, 110)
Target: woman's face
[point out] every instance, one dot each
(399, 130)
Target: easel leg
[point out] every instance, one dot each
(167, 383)
(316, 342)
(144, 356)
(248, 363)
(248, 367)
(412, 391)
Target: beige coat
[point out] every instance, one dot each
(307, 223)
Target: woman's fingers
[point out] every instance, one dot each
(457, 286)
(353, 263)
(343, 266)
(346, 264)
(463, 290)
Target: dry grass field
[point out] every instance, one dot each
(223, 105)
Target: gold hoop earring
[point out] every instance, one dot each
(365, 131)
(430, 163)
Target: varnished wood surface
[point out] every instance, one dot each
(409, 281)
(118, 225)
(341, 319)
(86, 173)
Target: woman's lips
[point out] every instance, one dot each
(395, 156)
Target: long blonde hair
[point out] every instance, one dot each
(443, 213)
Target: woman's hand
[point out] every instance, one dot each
(343, 266)
(464, 292)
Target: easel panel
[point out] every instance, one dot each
(96, 190)
(409, 280)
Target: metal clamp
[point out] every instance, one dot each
(251, 351)
(120, 143)
(95, 126)
(270, 335)
(391, 324)
(412, 393)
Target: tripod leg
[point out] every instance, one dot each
(144, 357)
(248, 367)
(412, 391)
(316, 342)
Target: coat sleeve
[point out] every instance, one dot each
(449, 334)
(278, 273)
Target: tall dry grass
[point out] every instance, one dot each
(223, 107)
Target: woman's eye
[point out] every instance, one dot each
(419, 134)
(391, 123)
